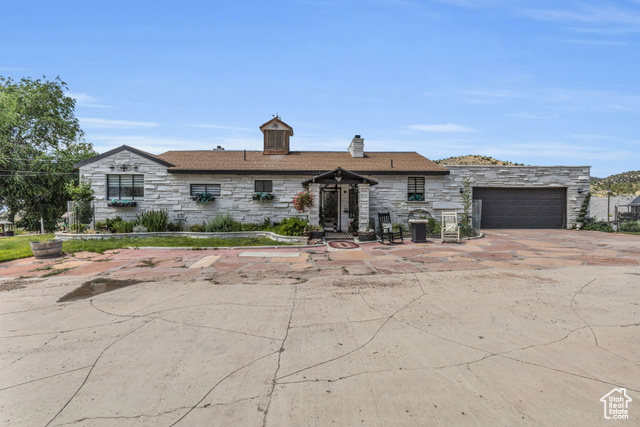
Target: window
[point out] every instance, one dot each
(127, 187)
(415, 189)
(213, 189)
(264, 186)
(275, 138)
(353, 203)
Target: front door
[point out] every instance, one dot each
(330, 208)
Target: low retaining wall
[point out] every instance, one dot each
(297, 240)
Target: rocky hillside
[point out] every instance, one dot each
(622, 183)
(472, 159)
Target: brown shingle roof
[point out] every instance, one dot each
(376, 163)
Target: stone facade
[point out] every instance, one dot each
(576, 179)
(443, 192)
(164, 190)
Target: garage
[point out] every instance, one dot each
(521, 207)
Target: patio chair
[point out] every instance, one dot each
(450, 229)
(386, 229)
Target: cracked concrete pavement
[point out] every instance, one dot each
(185, 347)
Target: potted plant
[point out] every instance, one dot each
(315, 232)
(368, 235)
(303, 200)
(262, 196)
(203, 198)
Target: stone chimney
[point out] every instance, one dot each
(356, 148)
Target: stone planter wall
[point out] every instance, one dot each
(297, 240)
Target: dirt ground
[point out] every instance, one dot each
(522, 329)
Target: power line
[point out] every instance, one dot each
(31, 171)
(41, 174)
(37, 160)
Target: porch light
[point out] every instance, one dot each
(461, 190)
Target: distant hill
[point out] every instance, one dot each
(621, 183)
(472, 159)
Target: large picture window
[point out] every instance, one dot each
(213, 189)
(125, 187)
(263, 186)
(415, 189)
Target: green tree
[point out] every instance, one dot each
(40, 140)
(82, 194)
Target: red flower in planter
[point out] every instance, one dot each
(303, 200)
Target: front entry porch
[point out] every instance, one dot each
(343, 200)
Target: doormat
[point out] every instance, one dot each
(343, 245)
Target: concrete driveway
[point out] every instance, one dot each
(521, 328)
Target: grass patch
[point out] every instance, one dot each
(100, 246)
(18, 247)
(634, 233)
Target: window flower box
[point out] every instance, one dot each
(203, 198)
(262, 196)
(122, 203)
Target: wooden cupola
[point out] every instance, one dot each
(276, 136)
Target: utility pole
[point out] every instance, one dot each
(609, 203)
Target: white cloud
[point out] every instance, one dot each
(596, 42)
(600, 14)
(533, 116)
(96, 123)
(592, 136)
(449, 127)
(83, 99)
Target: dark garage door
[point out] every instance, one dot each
(522, 207)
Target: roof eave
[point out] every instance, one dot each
(119, 149)
(298, 172)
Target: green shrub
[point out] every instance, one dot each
(598, 226)
(265, 225)
(154, 220)
(633, 226)
(223, 223)
(197, 228)
(433, 226)
(582, 215)
(123, 226)
(293, 226)
(108, 224)
(397, 226)
(250, 226)
(468, 231)
(172, 226)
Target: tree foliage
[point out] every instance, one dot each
(82, 194)
(40, 140)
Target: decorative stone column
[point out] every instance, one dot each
(363, 207)
(314, 214)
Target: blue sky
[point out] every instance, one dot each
(535, 82)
